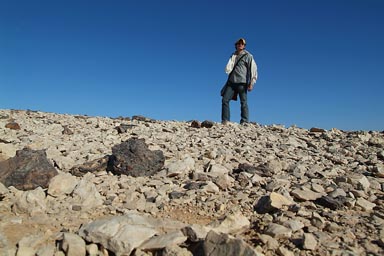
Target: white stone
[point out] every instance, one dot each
(309, 241)
(62, 184)
(7, 151)
(3, 190)
(278, 231)
(365, 204)
(232, 224)
(164, 240)
(211, 187)
(73, 245)
(180, 167)
(306, 194)
(25, 251)
(122, 234)
(217, 170)
(86, 194)
(92, 249)
(278, 201)
(282, 251)
(31, 202)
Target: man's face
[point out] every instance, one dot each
(240, 46)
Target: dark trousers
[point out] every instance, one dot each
(231, 89)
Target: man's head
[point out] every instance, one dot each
(240, 44)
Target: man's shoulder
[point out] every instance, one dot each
(248, 53)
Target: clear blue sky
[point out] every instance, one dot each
(320, 62)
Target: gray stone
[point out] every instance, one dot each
(270, 242)
(216, 244)
(196, 232)
(294, 225)
(278, 231)
(163, 240)
(306, 194)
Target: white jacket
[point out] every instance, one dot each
(240, 73)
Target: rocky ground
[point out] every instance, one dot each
(197, 189)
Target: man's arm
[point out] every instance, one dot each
(230, 64)
(253, 75)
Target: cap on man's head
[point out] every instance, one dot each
(241, 41)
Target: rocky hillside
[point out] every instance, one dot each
(81, 185)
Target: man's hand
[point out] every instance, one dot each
(250, 87)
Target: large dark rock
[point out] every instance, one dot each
(331, 203)
(133, 158)
(27, 170)
(207, 124)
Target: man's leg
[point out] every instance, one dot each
(225, 112)
(242, 89)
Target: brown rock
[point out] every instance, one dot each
(93, 166)
(13, 126)
(28, 170)
(196, 124)
(314, 129)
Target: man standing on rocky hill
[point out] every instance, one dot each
(242, 75)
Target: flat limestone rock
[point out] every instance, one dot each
(306, 194)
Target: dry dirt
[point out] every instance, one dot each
(16, 227)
